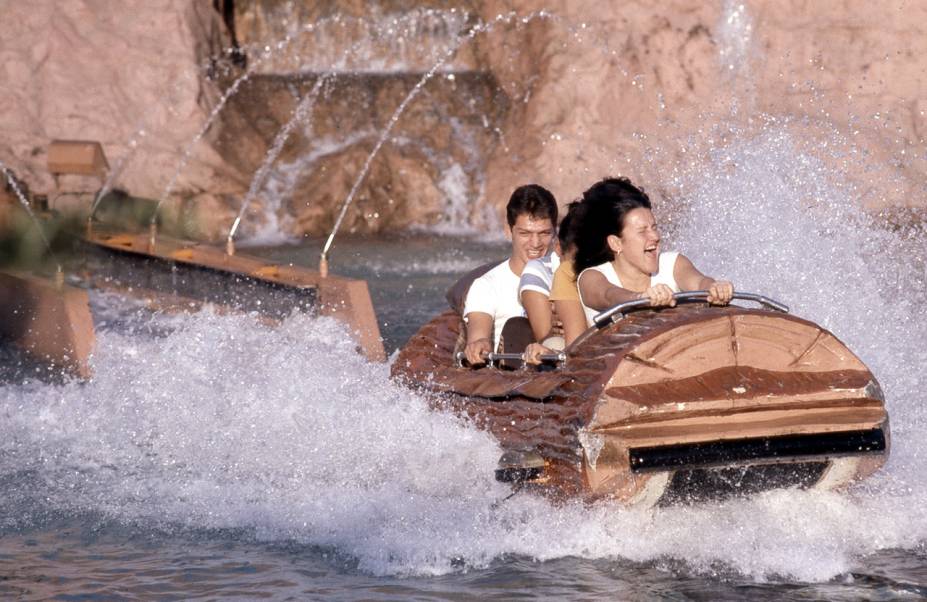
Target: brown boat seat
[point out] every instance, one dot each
(516, 336)
(457, 295)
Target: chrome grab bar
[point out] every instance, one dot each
(615, 313)
(491, 358)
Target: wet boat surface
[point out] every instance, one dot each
(667, 404)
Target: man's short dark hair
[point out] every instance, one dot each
(533, 200)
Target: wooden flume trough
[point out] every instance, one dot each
(670, 404)
(171, 269)
(52, 322)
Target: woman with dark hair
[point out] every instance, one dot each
(563, 292)
(618, 255)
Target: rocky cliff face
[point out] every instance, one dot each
(562, 98)
(635, 88)
(135, 76)
(427, 172)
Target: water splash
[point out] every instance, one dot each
(203, 425)
(301, 113)
(735, 37)
(774, 214)
(476, 30)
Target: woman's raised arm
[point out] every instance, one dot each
(690, 279)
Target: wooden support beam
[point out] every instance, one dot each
(51, 323)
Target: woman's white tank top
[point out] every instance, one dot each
(664, 275)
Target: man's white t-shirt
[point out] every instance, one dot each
(538, 275)
(495, 293)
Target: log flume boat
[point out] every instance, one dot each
(655, 406)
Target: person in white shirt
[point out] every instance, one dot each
(531, 214)
(618, 256)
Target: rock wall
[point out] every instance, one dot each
(132, 75)
(427, 173)
(561, 98)
(631, 88)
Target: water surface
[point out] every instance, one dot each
(217, 456)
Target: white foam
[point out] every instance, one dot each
(226, 423)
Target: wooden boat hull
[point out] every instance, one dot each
(670, 404)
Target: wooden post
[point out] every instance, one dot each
(50, 322)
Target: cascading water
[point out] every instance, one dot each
(394, 118)
(260, 57)
(302, 113)
(381, 41)
(443, 29)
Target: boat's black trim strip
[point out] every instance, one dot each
(763, 449)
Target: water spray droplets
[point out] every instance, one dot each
(735, 35)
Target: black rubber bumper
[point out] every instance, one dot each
(790, 448)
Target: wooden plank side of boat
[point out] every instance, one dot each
(761, 387)
(682, 390)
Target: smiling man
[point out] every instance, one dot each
(493, 298)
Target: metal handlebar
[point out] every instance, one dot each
(617, 312)
(495, 357)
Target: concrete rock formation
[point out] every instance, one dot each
(596, 88)
(650, 80)
(133, 76)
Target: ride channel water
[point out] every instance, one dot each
(215, 456)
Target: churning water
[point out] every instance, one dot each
(214, 455)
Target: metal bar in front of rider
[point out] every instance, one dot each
(614, 313)
(495, 357)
